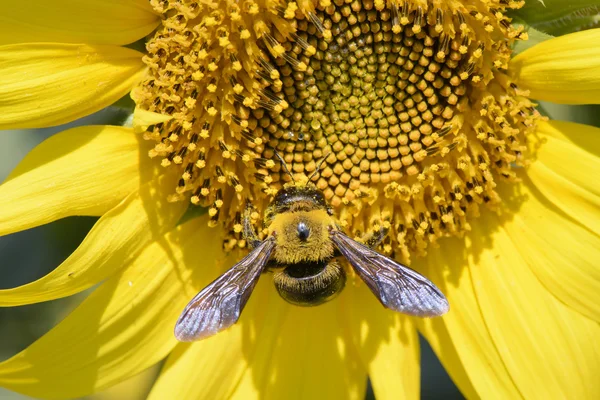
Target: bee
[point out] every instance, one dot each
(302, 248)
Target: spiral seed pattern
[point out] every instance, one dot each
(401, 112)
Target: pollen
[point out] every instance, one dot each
(402, 112)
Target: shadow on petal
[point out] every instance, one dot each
(123, 327)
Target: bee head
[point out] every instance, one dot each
(302, 193)
(299, 197)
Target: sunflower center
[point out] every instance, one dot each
(406, 107)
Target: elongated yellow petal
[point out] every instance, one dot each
(115, 240)
(311, 354)
(516, 341)
(125, 326)
(567, 170)
(76, 21)
(81, 171)
(550, 350)
(387, 343)
(213, 368)
(563, 70)
(581, 135)
(561, 252)
(265, 355)
(460, 338)
(47, 84)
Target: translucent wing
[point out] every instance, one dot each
(396, 286)
(219, 305)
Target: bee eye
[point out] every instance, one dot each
(303, 231)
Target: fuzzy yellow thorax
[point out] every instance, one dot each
(290, 249)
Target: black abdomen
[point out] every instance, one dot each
(310, 283)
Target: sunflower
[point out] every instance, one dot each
(421, 115)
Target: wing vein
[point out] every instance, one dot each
(219, 305)
(396, 286)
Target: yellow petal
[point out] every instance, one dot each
(387, 343)
(142, 119)
(562, 253)
(122, 328)
(76, 21)
(564, 69)
(213, 368)
(567, 169)
(460, 338)
(311, 354)
(114, 240)
(582, 135)
(549, 350)
(273, 348)
(47, 84)
(81, 171)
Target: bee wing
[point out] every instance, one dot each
(219, 305)
(397, 287)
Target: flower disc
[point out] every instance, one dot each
(408, 105)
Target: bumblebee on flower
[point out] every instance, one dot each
(422, 114)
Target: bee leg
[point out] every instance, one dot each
(249, 233)
(374, 239)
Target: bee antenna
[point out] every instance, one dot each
(284, 165)
(319, 166)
